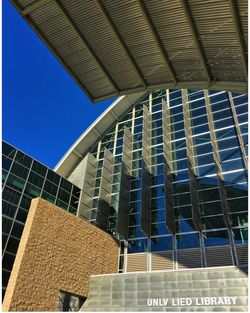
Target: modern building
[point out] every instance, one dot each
(23, 179)
(160, 176)
(169, 179)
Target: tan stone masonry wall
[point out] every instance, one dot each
(58, 251)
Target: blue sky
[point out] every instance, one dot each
(44, 111)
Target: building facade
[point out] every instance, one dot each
(24, 179)
(169, 179)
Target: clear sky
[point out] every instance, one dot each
(44, 111)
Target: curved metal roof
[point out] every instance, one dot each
(112, 48)
(94, 133)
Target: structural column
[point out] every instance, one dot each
(123, 208)
(102, 218)
(168, 169)
(239, 136)
(146, 162)
(86, 197)
(196, 216)
(217, 161)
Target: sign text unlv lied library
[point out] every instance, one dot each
(202, 301)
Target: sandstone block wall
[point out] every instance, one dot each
(58, 251)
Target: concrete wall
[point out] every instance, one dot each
(58, 251)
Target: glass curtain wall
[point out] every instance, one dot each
(23, 179)
(216, 141)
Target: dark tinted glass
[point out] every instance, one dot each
(39, 168)
(8, 150)
(23, 159)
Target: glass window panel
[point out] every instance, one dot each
(184, 212)
(24, 159)
(53, 177)
(194, 94)
(74, 202)
(185, 226)
(158, 203)
(134, 219)
(8, 209)
(6, 163)
(240, 236)
(221, 114)
(19, 170)
(76, 191)
(242, 118)
(216, 96)
(180, 154)
(32, 190)
(230, 154)
(211, 208)
(22, 215)
(188, 241)
(62, 204)
(178, 135)
(135, 184)
(202, 149)
(135, 232)
(35, 179)
(202, 138)
(220, 105)
(213, 222)
(239, 99)
(209, 195)
(8, 260)
(11, 195)
(206, 170)
(6, 225)
(50, 188)
(17, 230)
(199, 120)
(157, 192)
(240, 219)
(66, 185)
(158, 216)
(176, 110)
(207, 182)
(48, 197)
(136, 246)
(216, 238)
(15, 182)
(8, 150)
(198, 112)
(232, 165)
(161, 243)
(238, 190)
(156, 108)
(241, 109)
(138, 121)
(12, 245)
(134, 207)
(39, 168)
(238, 205)
(235, 177)
(224, 123)
(25, 202)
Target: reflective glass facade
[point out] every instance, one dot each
(178, 173)
(24, 179)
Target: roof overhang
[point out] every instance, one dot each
(113, 48)
(94, 133)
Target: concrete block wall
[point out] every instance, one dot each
(211, 289)
(58, 251)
